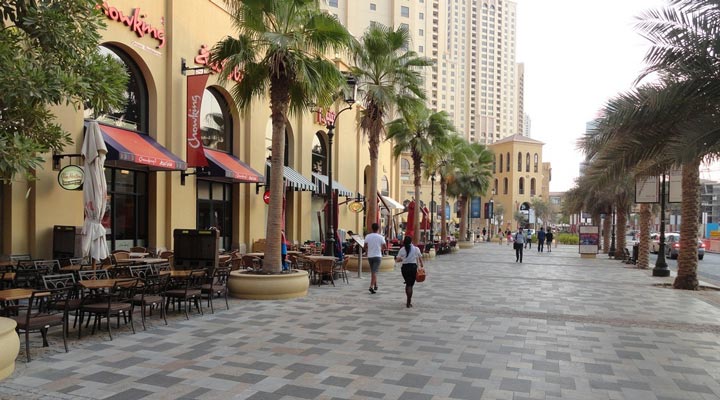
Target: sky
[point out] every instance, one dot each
(577, 54)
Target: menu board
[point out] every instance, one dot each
(589, 239)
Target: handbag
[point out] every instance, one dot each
(420, 275)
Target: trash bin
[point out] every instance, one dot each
(635, 252)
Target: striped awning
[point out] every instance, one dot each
(392, 203)
(132, 148)
(296, 180)
(321, 182)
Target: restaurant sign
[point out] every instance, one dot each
(355, 206)
(203, 58)
(136, 22)
(71, 177)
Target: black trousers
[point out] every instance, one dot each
(518, 252)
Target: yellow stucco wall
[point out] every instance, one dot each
(188, 25)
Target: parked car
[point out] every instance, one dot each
(672, 246)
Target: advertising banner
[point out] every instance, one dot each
(589, 239)
(195, 150)
(647, 190)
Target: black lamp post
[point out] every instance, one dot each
(611, 253)
(661, 267)
(349, 93)
(432, 210)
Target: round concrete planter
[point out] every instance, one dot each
(9, 347)
(386, 265)
(247, 285)
(466, 245)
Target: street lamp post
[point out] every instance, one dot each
(432, 210)
(661, 267)
(349, 93)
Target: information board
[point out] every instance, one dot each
(589, 239)
(647, 190)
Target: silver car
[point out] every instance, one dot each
(672, 246)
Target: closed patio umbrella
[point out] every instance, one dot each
(94, 151)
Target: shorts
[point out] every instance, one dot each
(409, 272)
(374, 264)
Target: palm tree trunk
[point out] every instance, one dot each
(417, 181)
(643, 260)
(371, 197)
(606, 233)
(463, 217)
(443, 204)
(688, 254)
(620, 231)
(279, 99)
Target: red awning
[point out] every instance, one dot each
(224, 165)
(133, 147)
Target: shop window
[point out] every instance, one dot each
(319, 154)
(126, 215)
(134, 113)
(216, 121)
(214, 209)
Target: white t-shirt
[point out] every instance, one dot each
(411, 258)
(374, 242)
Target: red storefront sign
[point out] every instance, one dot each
(203, 58)
(135, 22)
(195, 150)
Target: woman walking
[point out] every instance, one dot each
(410, 256)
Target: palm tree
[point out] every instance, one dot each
(447, 155)
(541, 209)
(280, 49)
(417, 132)
(474, 181)
(388, 75)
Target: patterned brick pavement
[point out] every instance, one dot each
(482, 327)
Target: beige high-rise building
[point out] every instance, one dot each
(472, 42)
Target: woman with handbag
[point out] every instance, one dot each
(410, 256)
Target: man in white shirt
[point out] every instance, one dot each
(374, 247)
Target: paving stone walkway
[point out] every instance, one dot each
(482, 327)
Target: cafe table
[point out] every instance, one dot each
(177, 273)
(138, 255)
(258, 255)
(139, 261)
(15, 294)
(318, 258)
(94, 284)
(75, 268)
(8, 276)
(5, 264)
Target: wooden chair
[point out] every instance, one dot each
(138, 249)
(251, 262)
(150, 296)
(120, 255)
(170, 256)
(341, 269)
(324, 268)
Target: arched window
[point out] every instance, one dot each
(521, 186)
(532, 187)
(519, 167)
(535, 165)
(384, 186)
(501, 163)
(505, 185)
(527, 162)
(508, 161)
(404, 169)
(216, 121)
(495, 187)
(319, 154)
(494, 163)
(134, 113)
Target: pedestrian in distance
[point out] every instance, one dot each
(541, 240)
(508, 234)
(549, 239)
(484, 233)
(528, 239)
(410, 256)
(518, 244)
(500, 236)
(375, 245)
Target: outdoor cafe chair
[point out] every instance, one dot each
(341, 269)
(216, 286)
(62, 281)
(51, 266)
(324, 268)
(26, 276)
(94, 274)
(159, 268)
(138, 249)
(116, 302)
(187, 291)
(141, 271)
(150, 295)
(42, 311)
(251, 262)
(77, 261)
